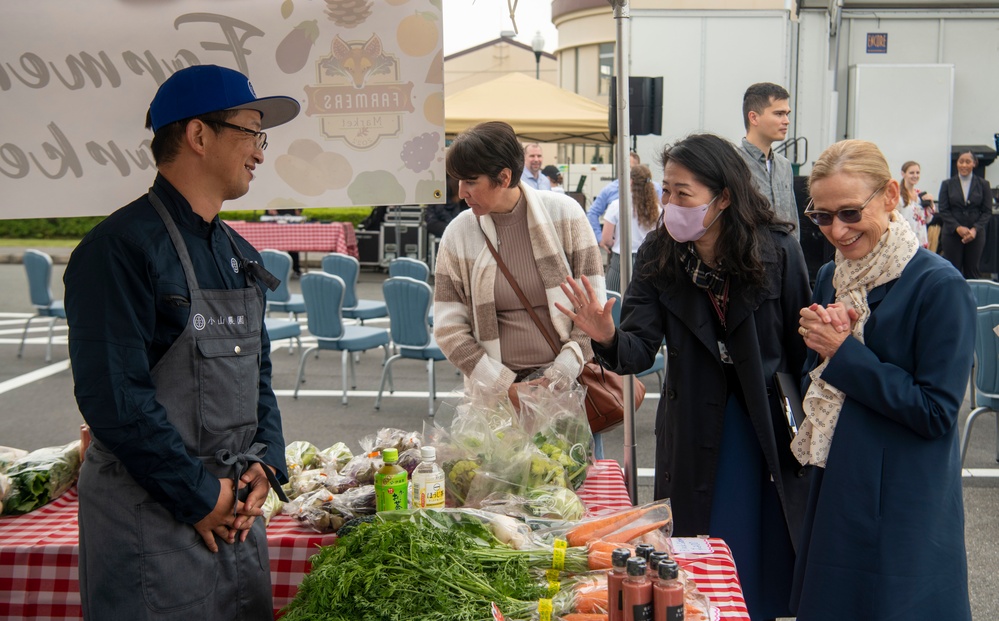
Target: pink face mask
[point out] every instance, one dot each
(686, 224)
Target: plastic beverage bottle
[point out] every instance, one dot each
(653, 563)
(428, 482)
(637, 592)
(667, 593)
(644, 550)
(391, 483)
(615, 602)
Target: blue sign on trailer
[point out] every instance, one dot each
(877, 42)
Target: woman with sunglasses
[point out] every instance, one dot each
(723, 281)
(884, 529)
(965, 208)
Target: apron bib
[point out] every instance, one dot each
(138, 562)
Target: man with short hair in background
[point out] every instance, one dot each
(533, 158)
(766, 111)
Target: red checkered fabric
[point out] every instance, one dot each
(39, 555)
(300, 237)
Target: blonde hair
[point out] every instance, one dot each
(852, 157)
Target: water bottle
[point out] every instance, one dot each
(428, 482)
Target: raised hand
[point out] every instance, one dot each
(589, 314)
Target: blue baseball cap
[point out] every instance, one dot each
(201, 89)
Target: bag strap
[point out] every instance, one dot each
(520, 294)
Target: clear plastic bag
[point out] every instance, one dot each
(40, 477)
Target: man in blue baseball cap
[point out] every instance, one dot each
(172, 371)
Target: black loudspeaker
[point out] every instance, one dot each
(645, 106)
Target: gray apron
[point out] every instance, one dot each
(136, 561)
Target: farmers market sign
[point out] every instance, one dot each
(74, 101)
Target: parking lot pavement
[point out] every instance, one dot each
(38, 409)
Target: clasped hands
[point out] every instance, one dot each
(230, 516)
(825, 328)
(967, 234)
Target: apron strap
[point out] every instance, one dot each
(240, 463)
(178, 241)
(252, 269)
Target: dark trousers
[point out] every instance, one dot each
(965, 257)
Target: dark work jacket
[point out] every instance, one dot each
(884, 532)
(126, 302)
(762, 339)
(955, 211)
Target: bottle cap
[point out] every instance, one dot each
(620, 556)
(644, 550)
(390, 455)
(636, 566)
(655, 558)
(668, 570)
(428, 452)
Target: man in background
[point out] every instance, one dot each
(532, 168)
(766, 110)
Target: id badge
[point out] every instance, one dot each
(723, 351)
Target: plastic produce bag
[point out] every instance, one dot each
(8, 456)
(41, 476)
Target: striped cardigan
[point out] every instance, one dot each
(465, 323)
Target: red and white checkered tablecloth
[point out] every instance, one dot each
(300, 237)
(39, 552)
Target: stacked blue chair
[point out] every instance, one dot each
(38, 266)
(408, 301)
(411, 268)
(986, 375)
(323, 295)
(281, 300)
(347, 268)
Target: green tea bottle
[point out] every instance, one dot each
(391, 483)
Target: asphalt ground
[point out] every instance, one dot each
(37, 409)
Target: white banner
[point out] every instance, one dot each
(76, 79)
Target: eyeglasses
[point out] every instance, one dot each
(260, 136)
(847, 216)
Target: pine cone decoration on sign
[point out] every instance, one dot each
(348, 13)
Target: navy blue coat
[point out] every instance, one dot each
(762, 338)
(884, 530)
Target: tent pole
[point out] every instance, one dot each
(622, 58)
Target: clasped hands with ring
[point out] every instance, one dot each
(825, 328)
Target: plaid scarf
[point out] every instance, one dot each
(714, 282)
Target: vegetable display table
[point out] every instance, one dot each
(304, 237)
(39, 554)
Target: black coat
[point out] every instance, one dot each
(955, 210)
(762, 339)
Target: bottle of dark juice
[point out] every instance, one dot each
(637, 592)
(667, 593)
(615, 603)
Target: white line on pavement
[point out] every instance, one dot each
(34, 376)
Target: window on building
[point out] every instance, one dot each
(606, 68)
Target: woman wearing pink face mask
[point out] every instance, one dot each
(723, 281)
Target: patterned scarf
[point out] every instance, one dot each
(714, 282)
(852, 280)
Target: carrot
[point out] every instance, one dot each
(592, 602)
(599, 552)
(583, 616)
(628, 534)
(597, 528)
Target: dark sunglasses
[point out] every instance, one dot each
(847, 216)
